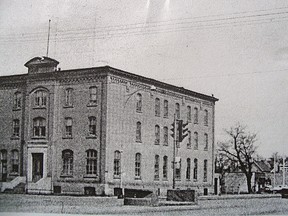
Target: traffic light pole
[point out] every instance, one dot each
(174, 150)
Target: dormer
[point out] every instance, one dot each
(41, 65)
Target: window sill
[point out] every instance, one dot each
(138, 178)
(91, 137)
(16, 109)
(92, 105)
(116, 177)
(165, 179)
(40, 137)
(138, 141)
(156, 143)
(90, 176)
(68, 106)
(67, 137)
(14, 174)
(177, 179)
(138, 111)
(195, 180)
(15, 138)
(39, 107)
(188, 180)
(165, 144)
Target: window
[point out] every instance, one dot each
(205, 171)
(165, 109)
(16, 128)
(138, 132)
(3, 160)
(17, 100)
(39, 127)
(69, 97)
(92, 126)
(157, 107)
(206, 141)
(195, 140)
(138, 165)
(165, 167)
(177, 110)
(156, 168)
(67, 157)
(188, 114)
(93, 95)
(157, 135)
(195, 169)
(91, 159)
(40, 98)
(206, 117)
(15, 161)
(178, 168)
(117, 163)
(188, 169)
(68, 127)
(189, 144)
(165, 136)
(139, 103)
(195, 115)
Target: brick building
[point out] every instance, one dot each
(90, 130)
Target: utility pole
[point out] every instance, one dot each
(48, 39)
(283, 171)
(174, 150)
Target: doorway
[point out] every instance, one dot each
(37, 169)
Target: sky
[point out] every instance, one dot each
(236, 50)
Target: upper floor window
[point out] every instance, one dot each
(156, 168)
(165, 114)
(188, 169)
(188, 114)
(165, 167)
(165, 135)
(157, 107)
(189, 144)
(206, 141)
(178, 168)
(195, 140)
(15, 161)
(206, 117)
(91, 162)
(68, 127)
(195, 115)
(138, 102)
(17, 100)
(157, 135)
(39, 127)
(138, 132)
(40, 98)
(16, 128)
(117, 163)
(3, 155)
(69, 97)
(93, 95)
(195, 171)
(177, 110)
(205, 171)
(138, 165)
(67, 158)
(92, 126)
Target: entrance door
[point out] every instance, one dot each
(216, 186)
(37, 169)
(4, 170)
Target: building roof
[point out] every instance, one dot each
(262, 166)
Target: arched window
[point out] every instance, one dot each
(68, 127)
(93, 95)
(39, 127)
(138, 165)
(195, 115)
(165, 136)
(157, 107)
(157, 135)
(67, 158)
(195, 171)
(188, 114)
(92, 126)
(177, 110)
(69, 97)
(17, 100)
(91, 162)
(15, 161)
(165, 167)
(138, 132)
(188, 169)
(195, 140)
(206, 141)
(138, 102)
(166, 111)
(156, 168)
(40, 98)
(206, 117)
(117, 163)
(189, 144)
(16, 128)
(205, 171)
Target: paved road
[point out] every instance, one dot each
(14, 204)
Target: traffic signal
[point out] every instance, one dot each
(173, 129)
(183, 130)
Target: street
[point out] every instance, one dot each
(41, 205)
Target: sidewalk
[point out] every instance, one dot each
(238, 196)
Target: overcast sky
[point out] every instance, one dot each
(234, 49)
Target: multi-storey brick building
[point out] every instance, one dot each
(95, 129)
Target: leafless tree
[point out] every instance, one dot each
(240, 149)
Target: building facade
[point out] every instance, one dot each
(91, 130)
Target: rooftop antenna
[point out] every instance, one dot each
(48, 39)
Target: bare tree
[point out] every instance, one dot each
(240, 149)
